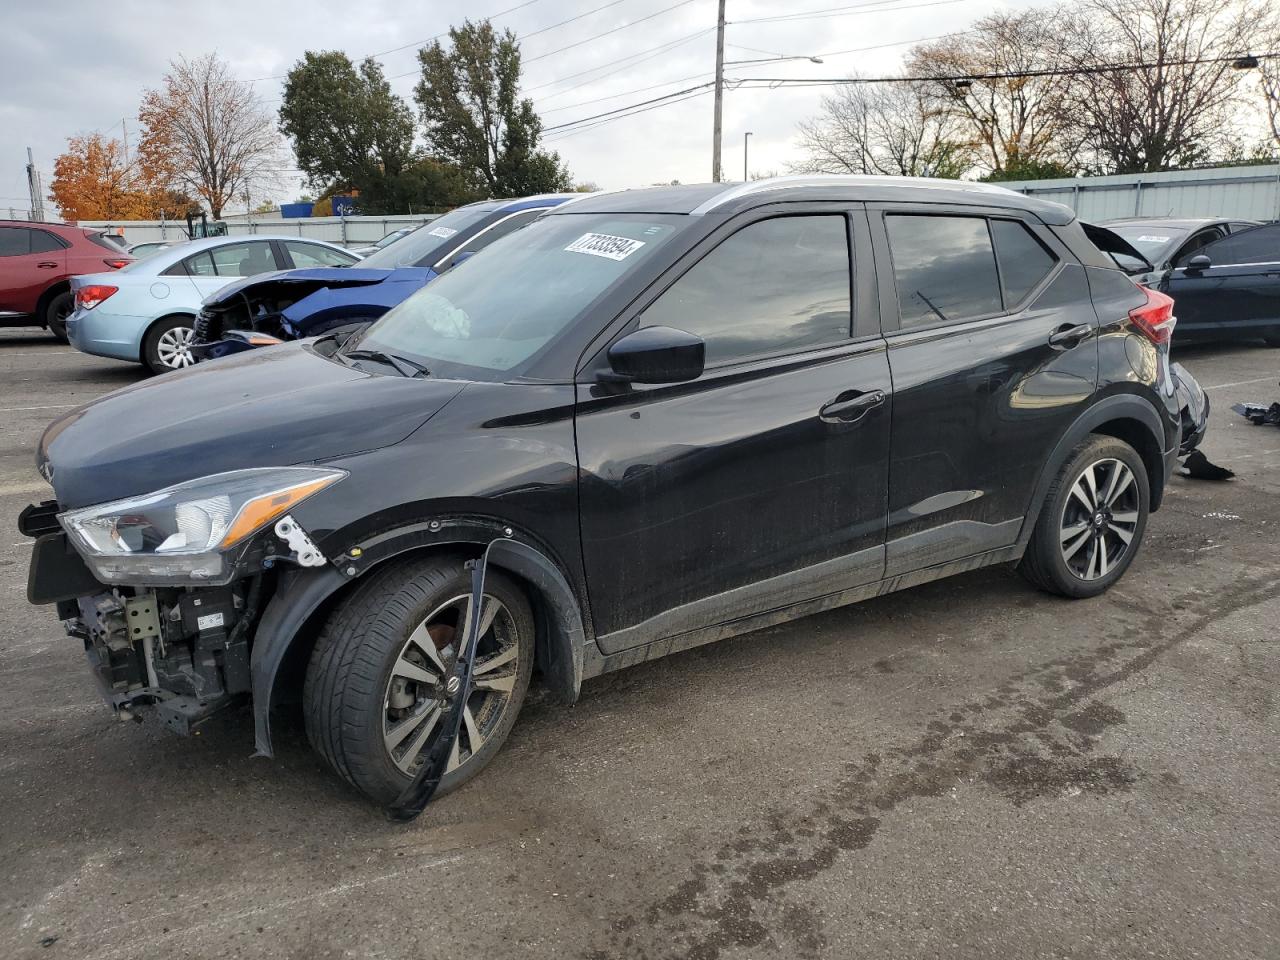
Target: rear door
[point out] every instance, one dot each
(993, 349)
(759, 484)
(30, 260)
(1238, 294)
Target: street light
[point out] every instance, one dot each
(738, 63)
(746, 135)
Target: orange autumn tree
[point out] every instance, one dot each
(93, 180)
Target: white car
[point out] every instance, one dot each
(146, 312)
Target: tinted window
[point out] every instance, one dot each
(1259, 245)
(944, 268)
(777, 285)
(243, 259)
(1194, 246)
(42, 241)
(313, 255)
(105, 240)
(14, 241)
(1024, 261)
(500, 230)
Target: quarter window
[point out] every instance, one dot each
(775, 286)
(944, 268)
(1023, 259)
(1257, 245)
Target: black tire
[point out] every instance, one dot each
(56, 313)
(1272, 339)
(152, 357)
(349, 679)
(1060, 522)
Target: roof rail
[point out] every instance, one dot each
(832, 179)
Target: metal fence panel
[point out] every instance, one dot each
(349, 231)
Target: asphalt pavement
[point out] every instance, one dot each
(968, 769)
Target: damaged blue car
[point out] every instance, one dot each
(294, 304)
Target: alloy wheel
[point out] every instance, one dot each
(1099, 519)
(415, 700)
(174, 347)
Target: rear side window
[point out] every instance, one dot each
(314, 255)
(42, 241)
(774, 286)
(1023, 259)
(944, 268)
(1259, 245)
(15, 241)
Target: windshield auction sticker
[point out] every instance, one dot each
(1153, 240)
(444, 232)
(603, 245)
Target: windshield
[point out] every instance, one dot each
(492, 313)
(428, 244)
(1153, 240)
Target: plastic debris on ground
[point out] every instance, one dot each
(1198, 467)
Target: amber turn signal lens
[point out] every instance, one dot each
(260, 511)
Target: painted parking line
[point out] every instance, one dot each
(1241, 383)
(46, 406)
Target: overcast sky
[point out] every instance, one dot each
(73, 67)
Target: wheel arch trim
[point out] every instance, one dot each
(305, 592)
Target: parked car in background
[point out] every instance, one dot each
(386, 241)
(148, 247)
(37, 262)
(306, 303)
(664, 416)
(146, 313)
(1164, 241)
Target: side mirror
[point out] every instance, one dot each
(658, 355)
(1199, 262)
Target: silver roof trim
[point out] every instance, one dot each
(803, 180)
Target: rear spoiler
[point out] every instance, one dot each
(1111, 243)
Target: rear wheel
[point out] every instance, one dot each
(167, 345)
(56, 313)
(374, 697)
(1272, 339)
(1092, 521)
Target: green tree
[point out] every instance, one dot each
(467, 99)
(347, 128)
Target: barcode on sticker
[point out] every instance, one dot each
(209, 621)
(603, 245)
(443, 232)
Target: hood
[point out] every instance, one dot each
(274, 407)
(331, 276)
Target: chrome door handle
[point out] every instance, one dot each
(850, 406)
(1068, 337)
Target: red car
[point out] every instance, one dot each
(37, 262)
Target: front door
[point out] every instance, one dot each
(30, 260)
(763, 482)
(1238, 294)
(994, 354)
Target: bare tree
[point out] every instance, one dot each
(1269, 79)
(1177, 110)
(210, 133)
(886, 128)
(1016, 124)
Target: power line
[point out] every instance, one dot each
(570, 46)
(643, 55)
(625, 93)
(565, 135)
(878, 6)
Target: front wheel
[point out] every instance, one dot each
(374, 697)
(167, 345)
(1092, 521)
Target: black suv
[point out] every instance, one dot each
(686, 412)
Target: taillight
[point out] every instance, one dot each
(1155, 317)
(90, 296)
(117, 264)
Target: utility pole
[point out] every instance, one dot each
(124, 138)
(34, 188)
(745, 137)
(715, 141)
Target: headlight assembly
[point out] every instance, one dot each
(184, 533)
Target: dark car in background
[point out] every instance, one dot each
(1224, 275)
(290, 305)
(386, 241)
(671, 415)
(37, 262)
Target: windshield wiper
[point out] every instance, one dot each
(404, 366)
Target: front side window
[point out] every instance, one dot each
(15, 241)
(944, 268)
(1258, 245)
(1024, 260)
(314, 255)
(775, 286)
(492, 314)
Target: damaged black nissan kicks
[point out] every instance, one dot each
(683, 413)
